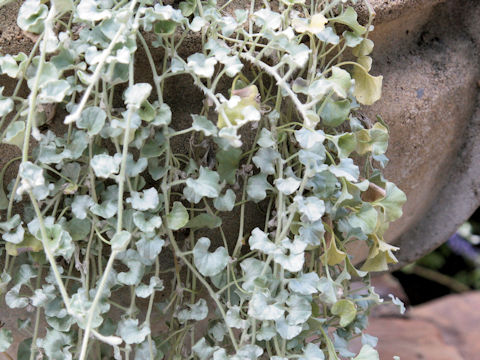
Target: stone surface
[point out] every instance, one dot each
(444, 329)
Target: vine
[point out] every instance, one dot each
(130, 238)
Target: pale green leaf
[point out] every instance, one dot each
(178, 216)
(131, 333)
(209, 263)
(92, 119)
(197, 312)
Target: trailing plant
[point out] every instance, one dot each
(122, 248)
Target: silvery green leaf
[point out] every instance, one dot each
(398, 302)
(233, 65)
(312, 352)
(142, 351)
(352, 39)
(316, 90)
(268, 19)
(328, 291)
(146, 200)
(209, 264)
(178, 216)
(225, 202)
(43, 296)
(80, 205)
(202, 65)
(58, 240)
(145, 291)
(287, 186)
(149, 248)
(365, 219)
(311, 207)
(341, 81)
(345, 144)
(205, 220)
(313, 159)
(201, 123)
(146, 224)
(308, 138)
(105, 165)
(299, 309)
(367, 353)
(286, 330)
(6, 104)
(266, 332)
(6, 339)
(13, 298)
(129, 331)
(135, 168)
(87, 10)
(298, 55)
(341, 345)
(54, 91)
(263, 307)
(32, 177)
(136, 94)
(260, 241)
(9, 66)
(349, 18)
(305, 284)
(106, 209)
(15, 132)
(346, 169)
(257, 187)
(197, 312)
(328, 36)
(248, 351)
(78, 229)
(234, 320)
(24, 274)
(392, 202)
(265, 159)
(228, 161)
(252, 268)
(207, 185)
(14, 236)
(217, 331)
(5, 279)
(31, 16)
(136, 268)
(92, 119)
(197, 24)
(163, 116)
(291, 257)
(202, 349)
(229, 137)
(265, 139)
(278, 358)
(80, 306)
(56, 345)
(335, 113)
(120, 241)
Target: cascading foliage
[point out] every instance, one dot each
(118, 245)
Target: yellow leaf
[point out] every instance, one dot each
(29, 243)
(333, 256)
(242, 107)
(368, 88)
